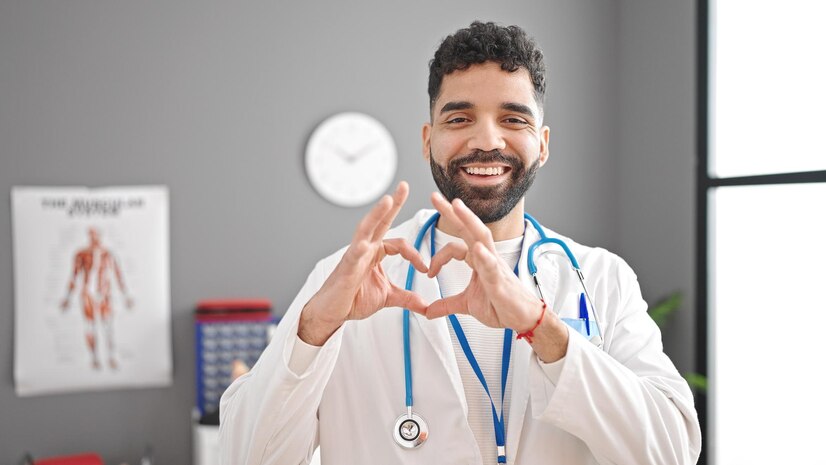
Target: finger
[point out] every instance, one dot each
(452, 251)
(403, 248)
(448, 214)
(488, 269)
(399, 197)
(349, 272)
(447, 306)
(486, 265)
(398, 297)
(371, 221)
(472, 223)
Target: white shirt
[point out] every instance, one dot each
(486, 344)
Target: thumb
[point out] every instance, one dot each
(447, 306)
(398, 297)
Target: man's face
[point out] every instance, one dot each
(485, 142)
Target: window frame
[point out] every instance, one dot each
(705, 184)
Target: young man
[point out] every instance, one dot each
(568, 383)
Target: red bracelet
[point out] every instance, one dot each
(528, 335)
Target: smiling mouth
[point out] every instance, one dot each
(486, 170)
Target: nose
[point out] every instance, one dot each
(487, 136)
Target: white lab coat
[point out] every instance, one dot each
(626, 404)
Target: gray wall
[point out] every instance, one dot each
(216, 100)
(657, 156)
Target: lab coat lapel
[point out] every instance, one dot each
(522, 352)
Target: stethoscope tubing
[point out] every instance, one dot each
(544, 239)
(420, 436)
(411, 272)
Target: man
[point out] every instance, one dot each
(335, 374)
(95, 265)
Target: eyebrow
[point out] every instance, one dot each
(518, 107)
(452, 106)
(510, 106)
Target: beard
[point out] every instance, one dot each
(489, 203)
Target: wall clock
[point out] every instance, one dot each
(351, 159)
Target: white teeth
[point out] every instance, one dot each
(485, 171)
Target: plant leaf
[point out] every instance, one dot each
(663, 309)
(697, 381)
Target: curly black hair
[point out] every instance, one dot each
(510, 46)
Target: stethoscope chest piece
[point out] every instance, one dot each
(410, 431)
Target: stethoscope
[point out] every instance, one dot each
(410, 430)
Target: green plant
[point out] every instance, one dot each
(661, 312)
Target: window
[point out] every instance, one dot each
(762, 230)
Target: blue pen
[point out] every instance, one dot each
(583, 313)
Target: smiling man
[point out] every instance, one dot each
(504, 354)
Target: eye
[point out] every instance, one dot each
(517, 121)
(457, 120)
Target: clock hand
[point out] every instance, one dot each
(347, 156)
(365, 150)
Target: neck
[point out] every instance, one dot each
(509, 227)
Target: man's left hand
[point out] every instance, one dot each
(494, 296)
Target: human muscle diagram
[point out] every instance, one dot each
(91, 289)
(93, 270)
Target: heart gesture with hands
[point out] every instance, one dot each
(494, 295)
(358, 287)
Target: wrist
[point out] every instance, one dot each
(313, 329)
(548, 335)
(550, 341)
(527, 332)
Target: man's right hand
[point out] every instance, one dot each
(357, 288)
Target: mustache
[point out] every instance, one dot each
(481, 156)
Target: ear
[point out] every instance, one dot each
(544, 137)
(426, 141)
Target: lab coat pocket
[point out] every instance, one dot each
(585, 327)
(580, 317)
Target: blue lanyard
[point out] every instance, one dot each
(498, 420)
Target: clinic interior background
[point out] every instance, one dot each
(216, 100)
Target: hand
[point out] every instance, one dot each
(238, 368)
(358, 287)
(494, 296)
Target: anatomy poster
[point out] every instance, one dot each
(91, 281)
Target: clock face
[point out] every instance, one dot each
(351, 159)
